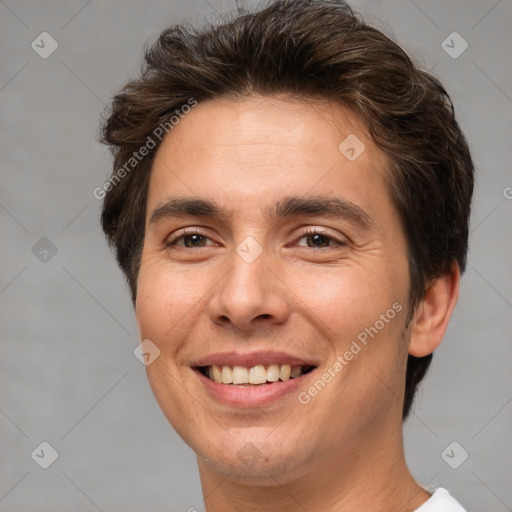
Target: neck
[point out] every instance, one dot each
(371, 479)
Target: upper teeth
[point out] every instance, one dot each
(255, 375)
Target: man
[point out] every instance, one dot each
(290, 204)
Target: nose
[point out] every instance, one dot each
(249, 296)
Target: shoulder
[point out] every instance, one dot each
(441, 501)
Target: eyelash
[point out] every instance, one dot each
(306, 232)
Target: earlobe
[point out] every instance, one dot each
(432, 315)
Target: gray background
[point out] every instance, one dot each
(68, 373)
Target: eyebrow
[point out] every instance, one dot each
(326, 206)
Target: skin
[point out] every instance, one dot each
(343, 450)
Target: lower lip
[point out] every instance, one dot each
(251, 396)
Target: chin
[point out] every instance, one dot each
(253, 460)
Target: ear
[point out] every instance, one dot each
(432, 315)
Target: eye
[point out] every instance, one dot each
(191, 238)
(320, 238)
(316, 239)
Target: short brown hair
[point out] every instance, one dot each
(305, 48)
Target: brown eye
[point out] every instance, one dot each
(194, 240)
(320, 239)
(191, 239)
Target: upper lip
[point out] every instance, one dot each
(250, 359)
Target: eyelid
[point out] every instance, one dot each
(305, 232)
(325, 232)
(184, 232)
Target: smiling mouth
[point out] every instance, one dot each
(254, 376)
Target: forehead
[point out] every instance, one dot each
(246, 152)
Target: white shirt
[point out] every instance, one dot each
(441, 501)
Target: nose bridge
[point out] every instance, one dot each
(248, 290)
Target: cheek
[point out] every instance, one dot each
(360, 311)
(156, 301)
(167, 306)
(349, 298)
(160, 309)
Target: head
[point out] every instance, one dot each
(261, 115)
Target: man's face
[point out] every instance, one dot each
(252, 288)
